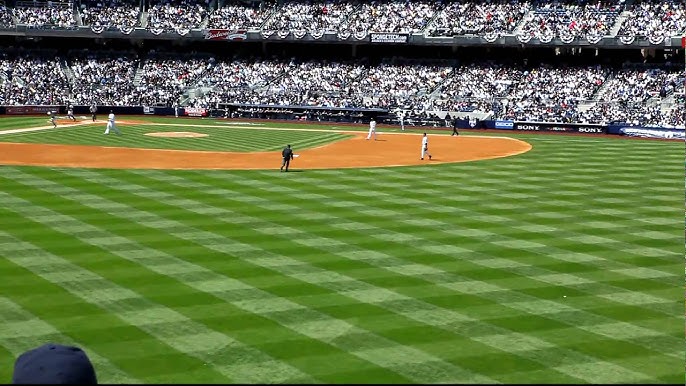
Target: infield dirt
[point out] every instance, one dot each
(357, 152)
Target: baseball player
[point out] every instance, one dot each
(401, 116)
(111, 125)
(52, 119)
(70, 112)
(287, 155)
(425, 146)
(94, 110)
(372, 129)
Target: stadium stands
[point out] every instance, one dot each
(45, 13)
(655, 18)
(644, 94)
(176, 15)
(105, 79)
(6, 19)
(311, 16)
(458, 18)
(240, 16)
(32, 79)
(110, 13)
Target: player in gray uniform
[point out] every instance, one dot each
(70, 112)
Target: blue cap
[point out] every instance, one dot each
(54, 364)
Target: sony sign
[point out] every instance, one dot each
(591, 130)
(528, 127)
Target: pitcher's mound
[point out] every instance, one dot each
(177, 134)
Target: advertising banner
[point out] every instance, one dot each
(195, 112)
(507, 125)
(148, 110)
(389, 38)
(27, 110)
(225, 34)
(653, 132)
(561, 127)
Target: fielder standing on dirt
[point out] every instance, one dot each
(372, 129)
(94, 110)
(425, 146)
(287, 155)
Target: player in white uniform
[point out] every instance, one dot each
(111, 125)
(401, 116)
(425, 146)
(372, 129)
(70, 113)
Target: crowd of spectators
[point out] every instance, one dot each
(396, 16)
(30, 79)
(472, 87)
(236, 81)
(103, 79)
(649, 18)
(631, 95)
(240, 16)
(503, 91)
(574, 19)
(164, 80)
(315, 83)
(177, 14)
(110, 13)
(310, 15)
(48, 15)
(552, 93)
(399, 83)
(6, 18)
(461, 17)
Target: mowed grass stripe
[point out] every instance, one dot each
(423, 370)
(152, 333)
(21, 330)
(218, 351)
(292, 265)
(222, 139)
(404, 360)
(352, 288)
(459, 232)
(10, 123)
(276, 194)
(293, 235)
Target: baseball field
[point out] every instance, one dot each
(179, 253)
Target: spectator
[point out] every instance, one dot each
(54, 364)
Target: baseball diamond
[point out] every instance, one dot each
(508, 258)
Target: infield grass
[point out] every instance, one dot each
(563, 264)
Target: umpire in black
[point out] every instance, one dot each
(287, 155)
(455, 123)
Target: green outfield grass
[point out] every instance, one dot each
(563, 264)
